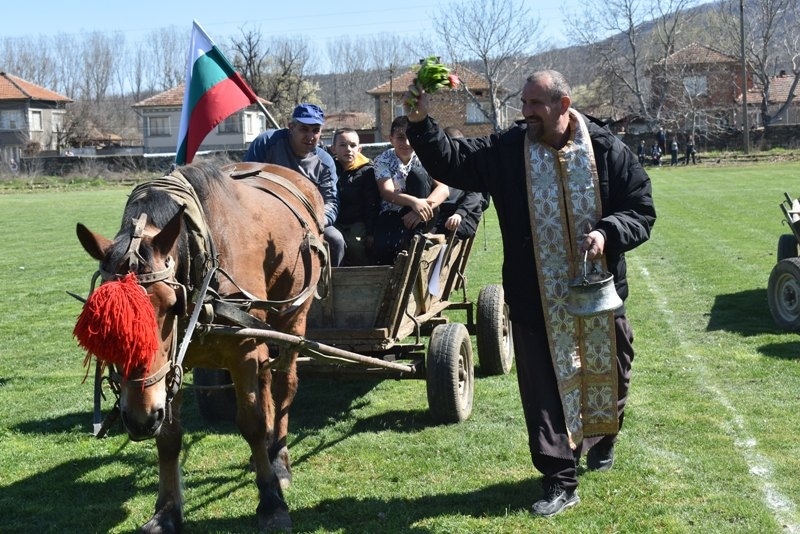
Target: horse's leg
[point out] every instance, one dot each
(168, 516)
(253, 404)
(284, 388)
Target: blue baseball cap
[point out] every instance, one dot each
(308, 114)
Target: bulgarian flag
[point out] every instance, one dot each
(214, 90)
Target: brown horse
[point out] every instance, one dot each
(262, 254)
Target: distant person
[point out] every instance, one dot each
(661, 139)
(690, 151)
(411, 198)
(655, 155)
(673, 152)
(641, 152)
(359, 200)
(297, 147)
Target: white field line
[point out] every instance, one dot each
(782, 508)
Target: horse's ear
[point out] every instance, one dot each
(95, 244)
(164, 240)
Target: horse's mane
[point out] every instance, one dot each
(160, 207)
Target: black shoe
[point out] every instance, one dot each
(555, 501)
(600, 458)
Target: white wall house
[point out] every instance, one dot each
(160, 117)
(31, 118)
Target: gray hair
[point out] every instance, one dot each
(554, 81)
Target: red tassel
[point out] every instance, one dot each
(118, 325)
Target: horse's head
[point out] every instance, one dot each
(129, 322)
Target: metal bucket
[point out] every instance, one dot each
(592, 294)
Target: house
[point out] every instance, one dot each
(161, 118)
(696, 89)
(362, 123)
(780, 87)
(449, 107)
(31, 118)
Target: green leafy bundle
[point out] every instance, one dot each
(432, 75)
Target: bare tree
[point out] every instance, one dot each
(617, 32)
(498, 35)
(166, 55)
(348, 59)
(100, 54)
(771, 44)
(250, 58)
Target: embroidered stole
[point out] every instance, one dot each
(564, 203)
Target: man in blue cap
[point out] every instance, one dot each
(297, 147)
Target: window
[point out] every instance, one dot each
(398, 110)
(58, 122)
(475, 115)
(36, 121)
(231, 125)
(158, 126)
(249, 120)
(10, 120)
(696, 85)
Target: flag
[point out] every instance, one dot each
(213, 91)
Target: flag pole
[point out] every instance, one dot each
(267, 113)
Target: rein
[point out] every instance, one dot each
(235, 310)
(173, 369)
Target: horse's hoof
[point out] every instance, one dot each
(282, 468)
(163, 522)
(277, 522)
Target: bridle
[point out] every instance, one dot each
(172, 370)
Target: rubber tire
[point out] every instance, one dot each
(787, 247)
(214, 405)
(450, 373)
(495, 344)
(783, 294)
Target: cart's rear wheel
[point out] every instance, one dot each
(450, 373)
(216, 399)
(783, 293)
(787, 247)
(495, 346)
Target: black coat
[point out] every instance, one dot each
(359, 200)
(496, 164)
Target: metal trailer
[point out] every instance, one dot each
(783, 288)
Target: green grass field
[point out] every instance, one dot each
(710, 442)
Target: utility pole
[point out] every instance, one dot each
(745, 118)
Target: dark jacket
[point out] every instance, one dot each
(273, 146)
(497, 164)
(359, 200)
(469, 204)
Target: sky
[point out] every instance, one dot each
(317, 21)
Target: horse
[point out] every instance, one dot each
(252, 248)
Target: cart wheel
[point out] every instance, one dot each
(783, 293)
(450, 373)
(215, 401)
(787, 247)
(495, 346)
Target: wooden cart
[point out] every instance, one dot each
(374, 322)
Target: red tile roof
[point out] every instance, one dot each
(697, 53)
(14, 88)
(171, 98)
(400, 83)
(779, 87)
